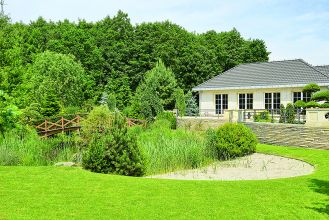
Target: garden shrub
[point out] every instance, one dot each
(312, 87)
(312, 104)
(99, 120)
(114, 150)
(325, 105)
(262, 117)
(300, 104)
(168, 116)
(321, 96)
(283, 117)
(232, 140)
(290, 113)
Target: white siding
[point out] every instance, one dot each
(207, 98)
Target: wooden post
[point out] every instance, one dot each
(46, 126)
(62, 120)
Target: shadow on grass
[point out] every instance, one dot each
(321, 186)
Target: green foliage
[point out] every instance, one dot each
(9, 117)
(24, 147)
(56, 75)
(156, 92)
(300, 104)
(232, 140)
(50, 105)
(99, 120)
(283, 116)
(324, 105)
(321, 96)
(169, 116)
(312, 87)
(262, 117)
(290, 113)
(192, 108)
(108, 100)
(111, 55)
(114, 150)
(169, 150)
(312, 104)
(180, 102)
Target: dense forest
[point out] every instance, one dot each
(49, 68)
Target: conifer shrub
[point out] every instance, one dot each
(114, 150)
(290, 113)
(232, 140)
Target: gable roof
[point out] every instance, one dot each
(288, 73)
(323, 69)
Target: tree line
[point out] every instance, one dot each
(47, 67)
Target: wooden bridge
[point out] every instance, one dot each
(68, 123)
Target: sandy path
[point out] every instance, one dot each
(253, 167)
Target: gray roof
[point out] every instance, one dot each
(286, 73)
(323, 69)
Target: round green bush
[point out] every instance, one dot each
(300, 104)
(232, 140)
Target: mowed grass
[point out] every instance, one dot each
(73, 193)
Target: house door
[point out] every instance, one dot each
(221, 102)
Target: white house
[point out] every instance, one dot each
(260, 86)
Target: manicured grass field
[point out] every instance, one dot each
(73, 193)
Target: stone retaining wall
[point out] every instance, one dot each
(291, 134)
(199, 123)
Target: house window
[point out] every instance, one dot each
(305, 96)
(272, 100)
(246, 101)
(221, 101)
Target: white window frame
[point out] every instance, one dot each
(272, 99)
(245, 96)
(221, 110)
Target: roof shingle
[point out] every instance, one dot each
(266, 74)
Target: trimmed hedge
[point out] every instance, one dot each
(232, 140)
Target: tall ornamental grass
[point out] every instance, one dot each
(169, 150)
(26, 148)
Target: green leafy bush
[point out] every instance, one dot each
(262, 117)
(168, 116)
(114, 150)
(99, 120)
(232, 140)
(300, 104)
(312, 104)
(290, 113)
(312, 87)
(325, 105)
(321, 96)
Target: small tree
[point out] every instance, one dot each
(108, 100)
(311, 88)
(192, 108)
(180, 102)
(290, 113)
(114, 150)
(50, 105)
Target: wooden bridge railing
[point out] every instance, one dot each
(61, 124)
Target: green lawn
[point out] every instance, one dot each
(68, 193)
